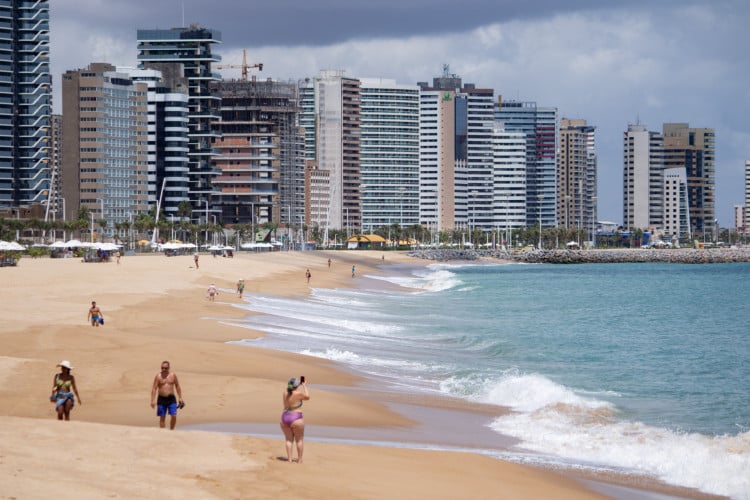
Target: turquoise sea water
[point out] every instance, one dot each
(638, 367)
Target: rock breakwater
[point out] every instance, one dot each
(598, 256)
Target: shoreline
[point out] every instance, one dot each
(115, 366)
(435, 416)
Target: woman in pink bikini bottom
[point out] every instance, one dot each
(292, 423)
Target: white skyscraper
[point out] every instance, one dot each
(509, 178)
(389, 153)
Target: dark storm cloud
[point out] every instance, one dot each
(322, 22)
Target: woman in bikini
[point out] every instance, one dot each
(292, 423)
(62, 395)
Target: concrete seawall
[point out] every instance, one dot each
(598, 256)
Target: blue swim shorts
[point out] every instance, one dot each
(166, 404)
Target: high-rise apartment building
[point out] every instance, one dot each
(437, 178)
(643, 182)
(25, 102)
(694, 150)
(261, 159)
(168, 172)
(337, 147)
(389, 153)
(509, 184)
(650, 200)
(676, 216)
(56, 205)
(456, 154)
(475, 168)
(104, 132)
(741, 211)
(540, 126)
(184, 56)
(576, 175)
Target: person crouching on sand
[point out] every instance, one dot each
(62, 395)
(292, 424)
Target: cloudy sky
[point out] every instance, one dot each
(611, 63)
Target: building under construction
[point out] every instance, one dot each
(260, 158)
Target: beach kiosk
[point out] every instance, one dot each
(365, 242)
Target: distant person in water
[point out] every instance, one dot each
(292, 424)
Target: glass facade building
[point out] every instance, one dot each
(25, 102)
(184, 57)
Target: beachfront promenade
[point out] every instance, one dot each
(594, 256)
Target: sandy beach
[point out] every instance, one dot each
(155, 309)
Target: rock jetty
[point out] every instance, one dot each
(597, 256)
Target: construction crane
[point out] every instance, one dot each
(245, 66)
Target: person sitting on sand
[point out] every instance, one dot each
(292, 424)
(62, 395)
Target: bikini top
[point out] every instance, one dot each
(64, 383)
(295, 408)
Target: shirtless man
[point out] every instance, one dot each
(165, 385)
(95, 314)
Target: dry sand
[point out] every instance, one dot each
(155, 308)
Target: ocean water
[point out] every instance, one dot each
(640, 368)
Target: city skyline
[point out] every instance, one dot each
(676, 62)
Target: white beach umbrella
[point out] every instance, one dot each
(11, 246)
(59, 244)
(107, 247)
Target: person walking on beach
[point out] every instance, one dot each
(241, 287)
(62, 395)
(95, 315)
(308, 276)
(117, 257)
(195, 259)
(212, 292)
(329, 263)
(163, 396)
(353, 269)
(292, 424)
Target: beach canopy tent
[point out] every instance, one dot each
(107, 247)
(258, 247)
(365, 241)
(11, 246)
(78, 244)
